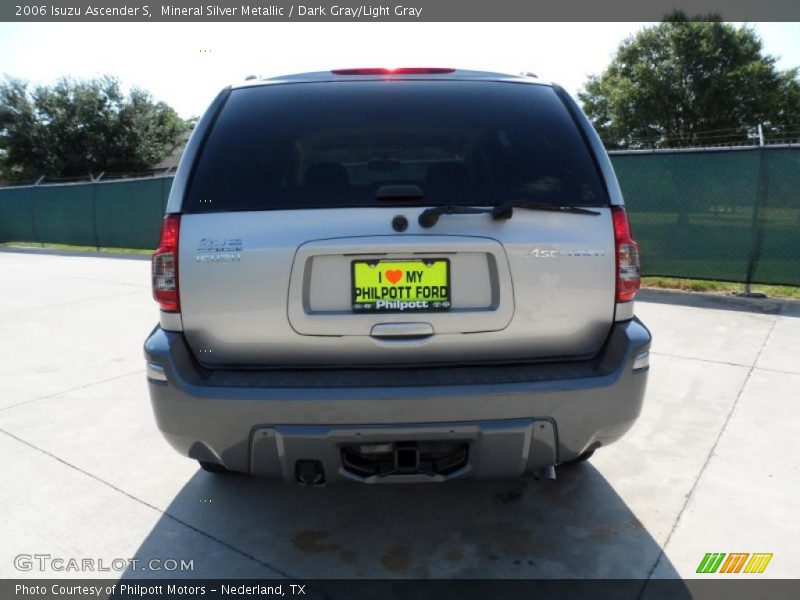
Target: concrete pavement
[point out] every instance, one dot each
(710, 466)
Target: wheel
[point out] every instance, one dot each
(582, 458)
(212, 467)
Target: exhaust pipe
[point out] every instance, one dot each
(309, 472)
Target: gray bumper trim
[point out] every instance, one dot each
(496, 448)
(214, 415)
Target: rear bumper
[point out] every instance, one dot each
(514, 419)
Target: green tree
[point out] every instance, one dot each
(689, 82)
(74, 128)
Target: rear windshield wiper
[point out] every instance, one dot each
(430, 216)
(506, 209)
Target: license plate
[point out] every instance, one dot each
(411, 285)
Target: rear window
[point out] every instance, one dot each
(334, 144)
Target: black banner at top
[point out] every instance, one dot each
(389, 10)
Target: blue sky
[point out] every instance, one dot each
(166, 58)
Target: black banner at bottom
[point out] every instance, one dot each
(405, 589)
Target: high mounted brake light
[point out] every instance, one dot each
(627, 253)
(165, 265)
(400, 71)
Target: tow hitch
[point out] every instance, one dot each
(383, 459)
(310, 472)
(406, 458)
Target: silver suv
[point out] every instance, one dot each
(395, 275)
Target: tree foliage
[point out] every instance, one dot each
(691, 82)
(74, 128)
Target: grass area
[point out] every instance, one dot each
(75, 248)
(703, 285)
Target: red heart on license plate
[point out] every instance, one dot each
(394, 275)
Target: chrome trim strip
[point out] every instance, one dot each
(623, 311)
(171, 321)
(641, 361)
(155, 372)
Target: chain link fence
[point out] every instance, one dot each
(110, 214)
(729, 215)
(724, 214)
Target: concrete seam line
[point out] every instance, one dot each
(722, 362)
(80, 387)
(781, 371)
(82, 300)
(151, 506)
(770, 306)
(35, 251)
(708, 360)
(145, 285)
(707, 461)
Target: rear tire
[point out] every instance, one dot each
(212, 467)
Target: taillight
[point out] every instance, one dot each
(165, 265)
(628, 268)
(400, 71)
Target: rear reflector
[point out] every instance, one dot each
(156, 372)
(165, 265)
(627, 251)
(400, 71)
(641, 361)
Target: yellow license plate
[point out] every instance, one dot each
(401, 285)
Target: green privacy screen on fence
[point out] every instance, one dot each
(716, 214)
(119, 214)
(705, 214)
